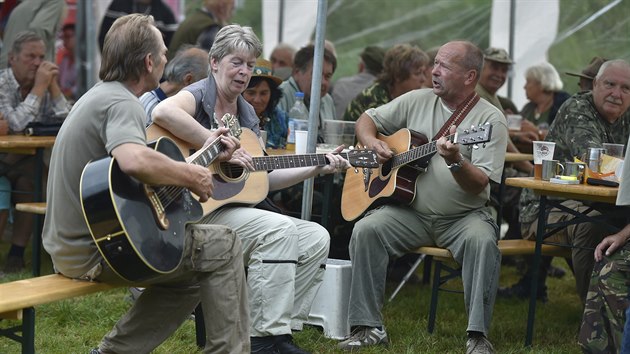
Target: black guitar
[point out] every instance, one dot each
(139, 229)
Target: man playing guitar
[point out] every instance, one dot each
(448, 209)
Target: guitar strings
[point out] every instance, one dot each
(417, 152)
(168, 194)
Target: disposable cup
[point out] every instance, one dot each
(514, 121)
(543, 150)
(614, 150)
(301, 138)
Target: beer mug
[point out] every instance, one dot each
(550, 169)
(575, 169)
(593, 158)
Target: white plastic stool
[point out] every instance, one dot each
(330, 306)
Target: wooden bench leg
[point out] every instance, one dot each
(438, 281)
(426, 274)
(434, 294)
(200, 327)
(28, 331)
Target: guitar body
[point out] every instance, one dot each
(370, 188)
(228, 185)
(238, 186)
(137, 238)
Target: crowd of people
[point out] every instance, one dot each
(256, 269)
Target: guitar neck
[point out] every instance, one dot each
(265, 163)
(417, 153)
(208, 154)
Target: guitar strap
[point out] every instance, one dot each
(459, 114)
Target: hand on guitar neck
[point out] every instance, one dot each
(472, 179)
(447, 148)
(230, 143)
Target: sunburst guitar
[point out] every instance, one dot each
(235, 185)
(395, 180)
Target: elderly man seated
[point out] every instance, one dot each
(29, 93)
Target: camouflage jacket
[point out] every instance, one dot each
(577, 127)
(372, 97)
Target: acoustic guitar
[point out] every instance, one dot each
(235, 185)
(139, 229)
(395, 180)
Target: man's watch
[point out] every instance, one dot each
(456, 166)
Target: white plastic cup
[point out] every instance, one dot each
(301, 138)
(614, 150)
(543, 150)
(263, 136)
(514, 121)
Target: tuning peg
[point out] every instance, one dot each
(476, 147)
(356, 170)
(484, 145)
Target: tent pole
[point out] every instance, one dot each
(313, 119)
(511, 43)
(281, 22)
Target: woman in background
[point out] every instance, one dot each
(263, 94)
(543, 88)
(404, 69)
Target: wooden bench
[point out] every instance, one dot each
(38, 208)
(441, 256)
(18, 299)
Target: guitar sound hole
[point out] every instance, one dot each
(231, 170)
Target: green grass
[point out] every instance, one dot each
(77, 325)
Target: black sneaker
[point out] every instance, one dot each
(263, 345)
(284, 345)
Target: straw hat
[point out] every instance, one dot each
(263, 69)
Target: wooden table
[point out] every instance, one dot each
(545, 189)
(31, 145)
(27, 145)
(517, 156)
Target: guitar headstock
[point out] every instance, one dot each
(474, 135)
(362, 158)
(230, 121)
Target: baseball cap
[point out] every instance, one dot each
(590, 71)
(497, 54)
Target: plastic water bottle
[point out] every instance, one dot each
(297, 113)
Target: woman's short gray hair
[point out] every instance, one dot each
(546, 75)
(235, 38)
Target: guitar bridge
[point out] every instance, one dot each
(156, 207)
